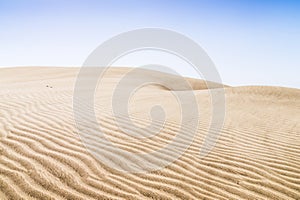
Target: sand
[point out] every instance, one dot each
(257, 154)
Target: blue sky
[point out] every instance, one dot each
(251, 42)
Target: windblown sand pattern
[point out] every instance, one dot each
(257, 155)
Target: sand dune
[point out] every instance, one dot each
(257, 154)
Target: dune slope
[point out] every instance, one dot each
(257, 154)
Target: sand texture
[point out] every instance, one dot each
(257, 154)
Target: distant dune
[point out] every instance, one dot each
(257, 154)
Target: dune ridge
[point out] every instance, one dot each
(257, 155)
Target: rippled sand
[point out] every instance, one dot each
(257, 154)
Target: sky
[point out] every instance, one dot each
(251, 42)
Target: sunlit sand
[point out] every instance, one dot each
(257, 154)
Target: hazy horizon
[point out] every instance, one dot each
(250, 42)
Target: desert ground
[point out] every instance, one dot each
(256, 155)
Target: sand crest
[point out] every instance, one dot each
(257, 155)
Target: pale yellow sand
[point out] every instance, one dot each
(257, 155)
